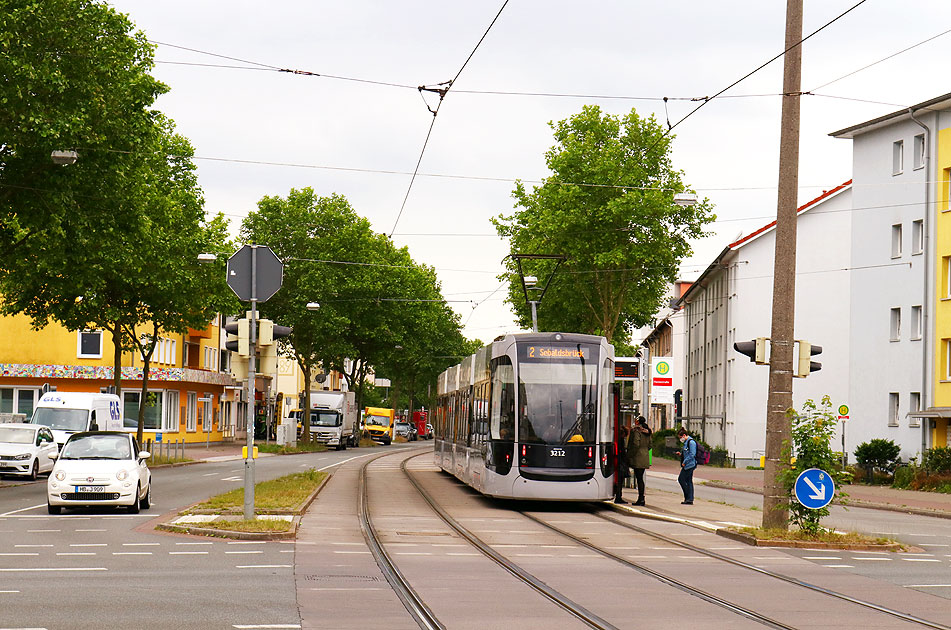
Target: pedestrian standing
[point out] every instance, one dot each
(623, 472)
(638, 454)
(688, 462)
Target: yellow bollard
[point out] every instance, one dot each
(244, 452)
(762, 461)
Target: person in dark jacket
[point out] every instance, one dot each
(688, 463)
(622, 470)
(638, 454)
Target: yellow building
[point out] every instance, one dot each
(942, 321)
(189, 397)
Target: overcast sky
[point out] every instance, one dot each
(311, 130)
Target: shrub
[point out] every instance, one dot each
(658, 439)
(878, 454)
(937, 460)
(904, 475)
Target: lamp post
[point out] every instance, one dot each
(64, 158)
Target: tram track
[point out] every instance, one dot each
(913, 619)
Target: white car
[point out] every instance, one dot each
(100, 468)
(25, 449)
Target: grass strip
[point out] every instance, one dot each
(256, 525)
(161, 460)
(302, 447)
(283, 493)
(825, 536)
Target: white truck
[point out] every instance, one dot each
(71, 412)
(334, 420)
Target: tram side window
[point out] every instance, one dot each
(502, 420)
(607, 402)
(480, 414)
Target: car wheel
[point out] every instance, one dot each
(146, 501)
(53, 509)
(134, 508)
(35, 470)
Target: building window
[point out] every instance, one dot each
(896, 241)
(919, 156)
(898, 157)
(914, 406)
(89, 344)
(153, 410)
(191, 412)
(916, 323)
(172, 413)
(895, 325)
(18, 400)
(893, 409)
(917, 236)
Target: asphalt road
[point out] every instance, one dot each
(102, 568)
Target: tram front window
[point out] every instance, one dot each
(558, 403)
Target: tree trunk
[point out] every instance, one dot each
(116, 332)
(305, 403)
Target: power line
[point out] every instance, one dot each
(441, 91)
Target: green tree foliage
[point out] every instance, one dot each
(73, 76)
(607, 206)
(379, 310)
(812, 431)
(878, 453)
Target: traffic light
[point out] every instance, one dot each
(755, 350)
(239, 367)
(805, 364)
(239, 337)
(269, 332)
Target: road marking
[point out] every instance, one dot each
(195, 543)
(366, 552)
(9, 591)
(31, 546)
(459, 553)
(242, 552)
(209, 474)
(265, 566)
(132, 553)
(921, 560)
(344, 462)
(90, 530)
(141, 544)
(41, 531)
(25, 553)
(271, 625)
(932, 545)
(821, 558)
(26, 509)
(349, 543)
(88, 545)
(648, 557)
(188, 553)
(47, 569)
(76, 553)
(233, 479)
(413, 553)
(249, 542)
(286, 551)
(839, 566)
(881, 559)
(927, 585)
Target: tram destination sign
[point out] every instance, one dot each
(544, 353)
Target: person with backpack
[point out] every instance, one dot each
(688, 463)
(638, 454)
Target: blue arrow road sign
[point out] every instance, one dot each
(814, 488)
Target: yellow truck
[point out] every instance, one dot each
(378, 422)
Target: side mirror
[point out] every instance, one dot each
(54, 456)
(144, 454)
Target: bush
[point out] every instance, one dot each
(658, 439)
(937, 460)
(904, 475)
(878, 454)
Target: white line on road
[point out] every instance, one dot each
(337, 464)
(264, 566)
(88, 545)
(821, 558)
(188, 553)
(37, 569)
(76, 553)
(839, 566)
(26, 509)
(248, 542)
(90, 530)
(42, 531)
(927, 585)
(195, 543)
(271, 625)
(31, 546)
(141, 544)
(132, 553)
(878, 558)
(9, 591)
(921, 560)
(24, 553)
(242, 552)
(366, 552)
(232, 479)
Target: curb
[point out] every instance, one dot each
(290, 534)
(871, 505)
(808, 544)
(667, 518)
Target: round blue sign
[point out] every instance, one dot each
(814, 488)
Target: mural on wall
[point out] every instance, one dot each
(92, 372)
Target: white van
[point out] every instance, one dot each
(71, 412)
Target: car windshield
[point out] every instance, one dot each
(325, 419)
(97, 447)
(380, 421)
(16, 435)
(402, 426)
(61, 419)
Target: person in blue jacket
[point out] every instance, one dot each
(688, 462)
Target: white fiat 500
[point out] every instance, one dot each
(25, 449)
(100, 468)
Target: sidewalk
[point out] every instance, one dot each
(860, 495)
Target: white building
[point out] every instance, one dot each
(725, 396)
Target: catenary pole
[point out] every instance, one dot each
(778, 432)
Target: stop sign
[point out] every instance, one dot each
(261, 264)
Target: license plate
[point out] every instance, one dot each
(90, 488)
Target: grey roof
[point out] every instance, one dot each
(936, 104)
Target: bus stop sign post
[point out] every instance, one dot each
(254, 273)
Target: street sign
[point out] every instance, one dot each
(626, 369)
(814, 488)
(843, 412)
(268, 271)
(158, 438)
(662, 380)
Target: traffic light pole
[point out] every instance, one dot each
(252, 360)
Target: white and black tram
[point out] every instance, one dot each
(531, 416)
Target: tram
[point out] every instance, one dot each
(531, 416)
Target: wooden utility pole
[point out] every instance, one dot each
(778, 432)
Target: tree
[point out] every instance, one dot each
(608, 207)
(73, 76)
(879, 453)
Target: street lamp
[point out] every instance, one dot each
(64, 158)
(685, 199)
(313, 306)
(207, 258)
